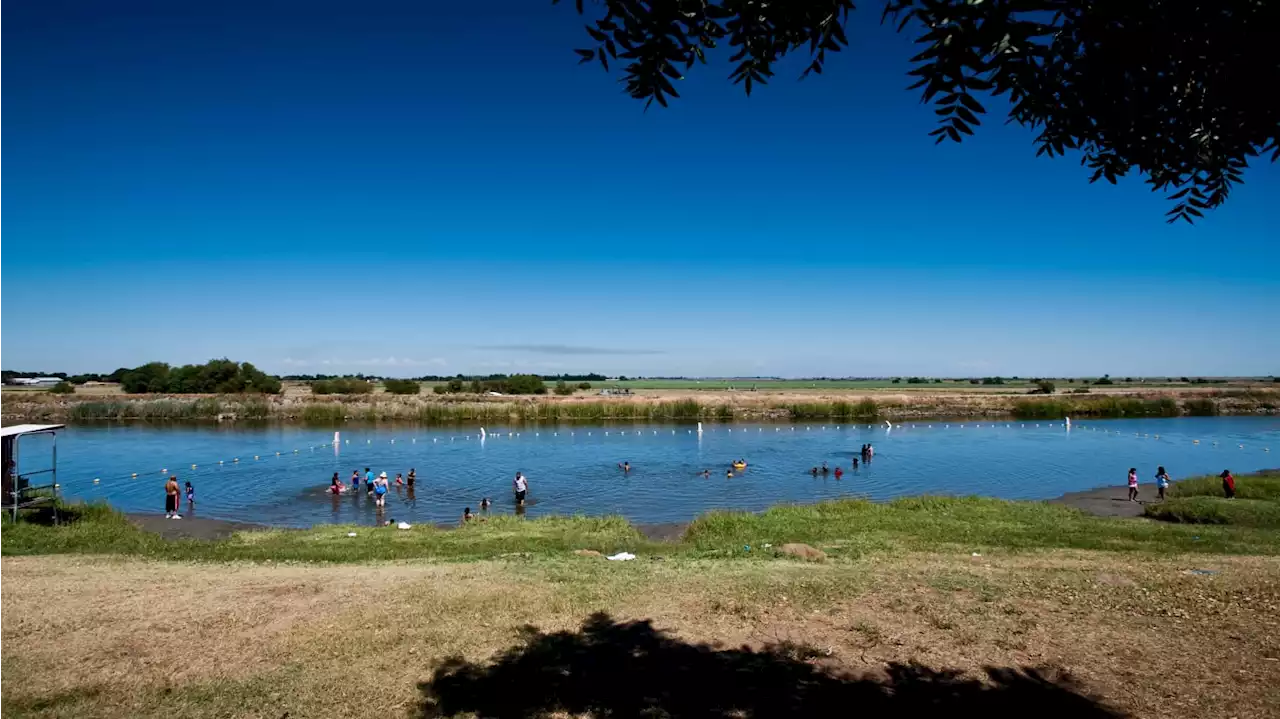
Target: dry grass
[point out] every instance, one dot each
(87, 636)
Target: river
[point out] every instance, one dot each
(279, 475)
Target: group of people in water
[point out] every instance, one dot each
(375, 486)
(172, 497)
(378, 485)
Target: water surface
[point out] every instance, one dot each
(574, 469)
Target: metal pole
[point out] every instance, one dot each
(55, 478)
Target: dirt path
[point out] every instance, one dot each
(1105, 501)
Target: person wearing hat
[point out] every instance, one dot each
(380, 489)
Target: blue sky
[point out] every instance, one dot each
(407, 188)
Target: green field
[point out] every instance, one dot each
(1020, 384)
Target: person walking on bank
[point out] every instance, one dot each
(171, 498)
(1162, 482)
(1133, 484)
(1228, 484)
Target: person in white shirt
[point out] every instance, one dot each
(521, 486)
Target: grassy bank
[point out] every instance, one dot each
(919, 607)
(1200, 500)
(844, 528)
(744, 406)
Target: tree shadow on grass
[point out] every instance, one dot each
(630, 669)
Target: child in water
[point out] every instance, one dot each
(399, 480)
(191, 494)
(839, 473)
(706, 474)
(484, 505)
(355, 479)
(467, 516)
(335, 485)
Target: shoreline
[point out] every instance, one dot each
(1105, 501)
(851, 406)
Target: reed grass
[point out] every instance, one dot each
(1098, 407)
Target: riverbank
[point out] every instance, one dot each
(842, 529)
(914, 607)
(651, 405)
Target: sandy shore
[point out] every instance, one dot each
(190, 527)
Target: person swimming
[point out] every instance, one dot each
(728, 474)
(839, 473)
(813, 471)
(855, 464)
(824, 468)
(484, 504)
(625, 467)
(706, 474)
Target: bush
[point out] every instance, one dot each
(401, 386)
(1080, 390)
(1201, 408)
(63, 387)
(993, 380)
(584, 385)
(563, 389)
(1105, 379)
(1044, 386)
(341, 386)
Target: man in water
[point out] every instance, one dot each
(625, 467)
(521, 487)
(368, 480)
(171, 498)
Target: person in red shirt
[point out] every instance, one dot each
(839, 473)
(1228, 484)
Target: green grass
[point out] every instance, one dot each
(844, 528)
(1200, 500)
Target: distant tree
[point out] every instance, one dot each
(563, 388)
(1172, 90)
(993, 380)
(1105, 379)
(342, 385)
(937, 381)
(896, 380)
(1044, 386)
(584, 385)
(63, 387)
(401, 386)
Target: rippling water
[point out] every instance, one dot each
(574, 469)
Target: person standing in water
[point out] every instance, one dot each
(355, 480)
(1228, 484)
(171, 498)
(1162, 482)
(839, 473)
(484, 505)
(855, 464)
(380, 490)
(1133, 484)
(521, 487)
(413, 476)
(368, 480)
(625, 467)
(191, 495)
(335, 486)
